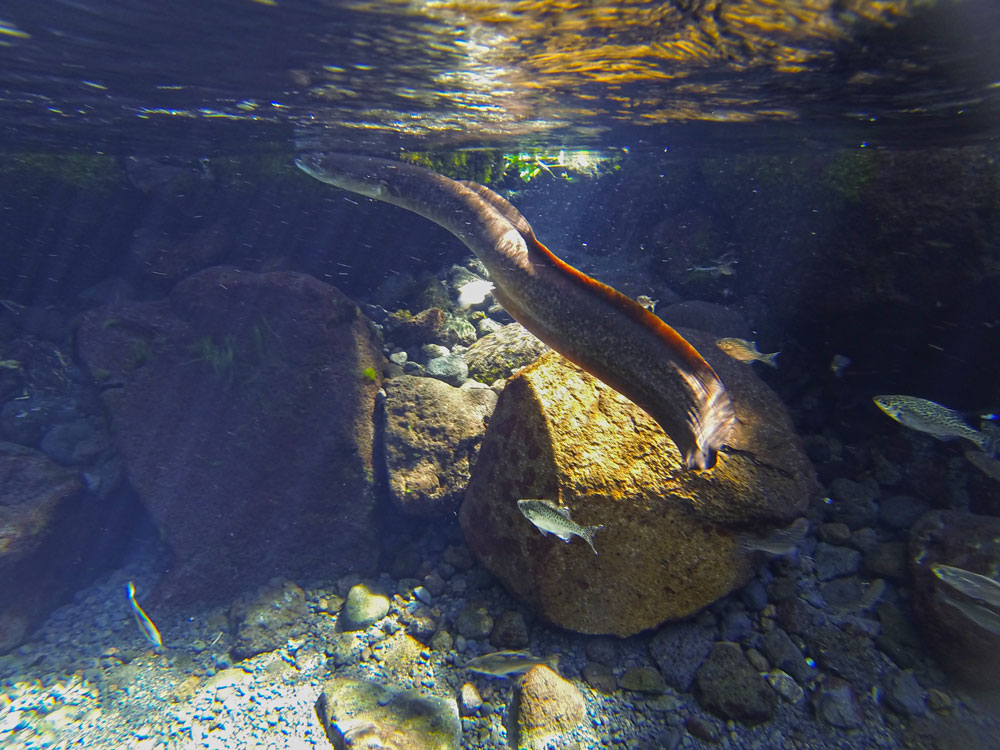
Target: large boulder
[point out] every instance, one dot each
(671, 542)
(432, 433)
(242, 405)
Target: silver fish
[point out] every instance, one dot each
(779, 542)
(549, 518)
(982, 616)
(746, 351)
(142, 619)
(971, 584)
(504, 663)
(931, 417)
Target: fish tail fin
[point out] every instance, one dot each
(588, 535)
(552, 662)
(770, 359)
(711, 420)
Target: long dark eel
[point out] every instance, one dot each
(588, 322)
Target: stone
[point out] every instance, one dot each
(474, 621)
(642, 680)
(964, 649)
(497, 355)
(904, 694)
(470, 701)
(432, 436)
(365, 714)
(728, 686)
(600, 677)
(666, 550)
(510, 631)
(265, 620)
(243, 414)
(853, 502)
(833, 561)
(450, 369)
(785, 686)
(783, 654)
(363, 608)
(836, 704)
(679, 650)
(546, 707)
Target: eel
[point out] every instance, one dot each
(600, 329)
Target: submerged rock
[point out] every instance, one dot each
(432, 434)
(242, 409)
(729, 686)
(497, 355)
(547, 706)
(359, 714)
(670, 542)
(267, 619)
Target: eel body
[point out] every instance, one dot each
(608, 334)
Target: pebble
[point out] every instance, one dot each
(452, 369)
(833, 561)
(904, 695)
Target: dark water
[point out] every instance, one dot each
(828, 171)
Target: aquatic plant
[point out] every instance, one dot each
(220, 357)
(369, 373)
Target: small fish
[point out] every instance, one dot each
(971, 584)
(473, 293)
(647, 302)
(142, 619)
(504, 663)
(838, 364)
(549, 518)
(931, 417)
(779, 542)
(989, 466)
(983, 616)
(746, 351)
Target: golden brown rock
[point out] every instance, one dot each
(547, 706)
(669, 545)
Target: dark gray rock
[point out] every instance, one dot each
(754, 595)
(729, 686)
(836, 704)
(783, 654)
(904, 695)
(451, 369)
(510, 630)
(473, 622)
(853, 502)
(833, 561)
(679, 651)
